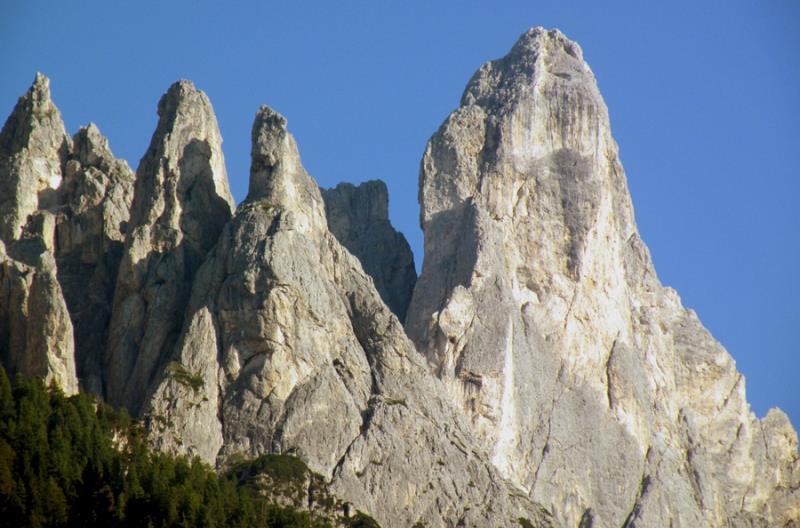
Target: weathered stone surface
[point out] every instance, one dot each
(181, 202)
(564, 365)
(33, 144)
(539, 307)
(94, 205)
(35, 329)
(358, 216)
(288, 348)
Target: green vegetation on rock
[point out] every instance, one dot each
(71, 461)
(182, 375)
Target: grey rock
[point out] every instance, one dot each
(33, 144)
(538, 305)
(181, 202)
(358, 216)
(94, 205)
(555, 367)
(288, 348)
(35, 329)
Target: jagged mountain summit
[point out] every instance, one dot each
(239, 335)
(287, 347)
(358, 216)
(65, 207)
(538, 305)
(544, 376)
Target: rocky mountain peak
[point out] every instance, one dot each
(181, 203)
(288, 348)
(542, 362)
(35, 121)
(92, 222)
(358, 215)
(539, 307)
(95, 196)
(90, 147)
(33, 144)
(36, 335)
(536, 54)
(277, 176)
(368, 201)
(188, 141)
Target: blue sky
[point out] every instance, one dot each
(704, 100)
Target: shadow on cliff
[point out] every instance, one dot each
(157, 308)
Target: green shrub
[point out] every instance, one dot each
(182, 375)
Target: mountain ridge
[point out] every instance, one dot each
(252, 330)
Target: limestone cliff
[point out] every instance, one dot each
(596, 392)
(33, 144)
(35, 328)
(288, 348)
(181, 202)
(94, 205)
(358, 216)
(543, 364)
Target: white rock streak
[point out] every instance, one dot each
(507, 434)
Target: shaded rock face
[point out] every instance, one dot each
(288, 348)
(35, 329)
(94, 204)
(539, 307)
(181, 202)
(358, 216)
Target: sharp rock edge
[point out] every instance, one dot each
(36, 335)
(181, 202)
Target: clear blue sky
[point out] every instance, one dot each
(704, 100)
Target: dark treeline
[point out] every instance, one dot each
(76, 462)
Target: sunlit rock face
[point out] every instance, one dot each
(35, 328)
(181, 202)
(559, 371)
(594, 390)
(358, 215)
(36, 337)
(287, 347)
(33, 145)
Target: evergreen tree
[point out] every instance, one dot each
(75, 462)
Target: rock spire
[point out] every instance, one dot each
(36, 337)
(542, 361)
(358, 215)
(92, 218)
(181, 202)
(33, 144)
(594, 389)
